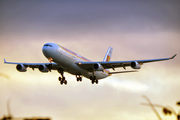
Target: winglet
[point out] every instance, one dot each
(4, 60)
(173, 56)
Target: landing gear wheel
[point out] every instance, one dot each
(80, 79)
(96, 81)
(61, 82)
(77, 79)
(92, 81)
(59, 78)
(65, 82)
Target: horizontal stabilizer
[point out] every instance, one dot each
(123, 72)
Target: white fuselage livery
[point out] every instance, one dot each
(67, 60)
(64, 60)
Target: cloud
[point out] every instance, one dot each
(4, 75)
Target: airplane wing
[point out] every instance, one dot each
(53, 66)
(115, 64)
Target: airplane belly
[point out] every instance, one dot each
(76, 70)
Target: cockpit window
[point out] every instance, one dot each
(48, 45)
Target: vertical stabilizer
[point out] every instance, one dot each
(108, 55)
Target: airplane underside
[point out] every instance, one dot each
(93, 76)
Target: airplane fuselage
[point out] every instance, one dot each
(67, 60)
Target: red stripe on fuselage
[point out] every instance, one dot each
(78, 56)
(74, 54)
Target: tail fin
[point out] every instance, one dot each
(107, 57)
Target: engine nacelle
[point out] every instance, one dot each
(98, 67)
(135, 65)
(43, 68)
(21, 68)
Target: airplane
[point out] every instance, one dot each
(65, 60)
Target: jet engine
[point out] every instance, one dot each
(43, 68)
(98, 67)
(135, 65)
(21, 68)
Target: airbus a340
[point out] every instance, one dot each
(64, 60)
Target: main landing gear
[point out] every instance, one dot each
(62, 79)
(93, 79)
(79, 78)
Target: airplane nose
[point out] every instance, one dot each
(45, 51)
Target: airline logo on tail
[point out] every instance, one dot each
(108, 58)
(108, 55)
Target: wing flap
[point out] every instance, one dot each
(123, 72)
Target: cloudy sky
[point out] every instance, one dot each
(135, 29)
